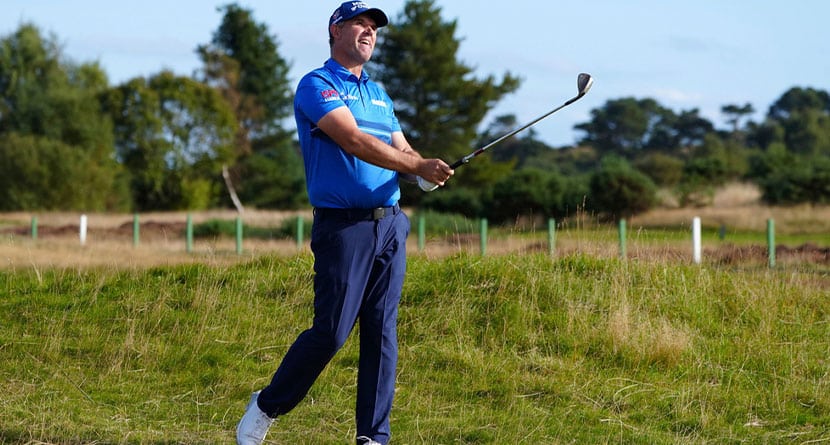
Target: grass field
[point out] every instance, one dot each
(502, 349)
(114, 344)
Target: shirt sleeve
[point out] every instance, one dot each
(316, 96)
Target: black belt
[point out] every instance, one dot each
(357, 214)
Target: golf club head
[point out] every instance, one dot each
(426, 185)
(583, 83)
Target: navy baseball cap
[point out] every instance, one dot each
(350, 10)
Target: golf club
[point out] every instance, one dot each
(583, 83)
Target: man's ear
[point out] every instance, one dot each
(334, 30)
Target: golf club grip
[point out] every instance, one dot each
(457, 164)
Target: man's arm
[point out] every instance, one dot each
(340, 125)
(400, 142)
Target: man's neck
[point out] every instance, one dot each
(354, 68)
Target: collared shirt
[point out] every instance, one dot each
(335, 178)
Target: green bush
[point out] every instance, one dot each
(218, 228)
(528, 191)
(38, 173)
(574, 195)
(456, 200)
(437, 223)
(618, 190)
(806, 180)
(664, 170)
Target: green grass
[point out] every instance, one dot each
(503, 349)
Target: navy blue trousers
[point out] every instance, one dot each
(359, 271)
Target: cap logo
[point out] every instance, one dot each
(348, 10)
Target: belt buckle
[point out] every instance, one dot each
(378, 213)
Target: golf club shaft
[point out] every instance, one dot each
(481, 150)
(583, 84)
(428, 186)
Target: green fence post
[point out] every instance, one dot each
(189, 234)
(34, 227)
(300, 230)
(239, 235)
(771, 241)
(136, 227)
(622, 239)
(483, 236)
(551, 235)
(421, 232)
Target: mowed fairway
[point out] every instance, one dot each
(513, 348)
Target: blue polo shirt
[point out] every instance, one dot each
(334, 178)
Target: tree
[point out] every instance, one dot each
(629, 126)
(514, 149)
(173, 134)
(763, 135)
(243, 63)
(242, 60)
(50, 116)
(690, 129)
(734, 114)
(437, 101)
(797, 100)
(804, 115)
(622, 126)
(807, 132)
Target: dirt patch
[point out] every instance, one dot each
(805, 253)
(150, 230)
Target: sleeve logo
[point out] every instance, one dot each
(330, 95)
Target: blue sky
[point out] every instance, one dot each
(685, 54)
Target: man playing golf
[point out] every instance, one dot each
(354, 154)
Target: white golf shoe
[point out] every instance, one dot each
(367, 441)
(254, 425)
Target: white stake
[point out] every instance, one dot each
(696, 240)
(83, 230)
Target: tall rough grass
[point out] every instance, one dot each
(502, 349)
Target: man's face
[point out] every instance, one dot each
(356, 38)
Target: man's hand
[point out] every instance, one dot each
(433, 173)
